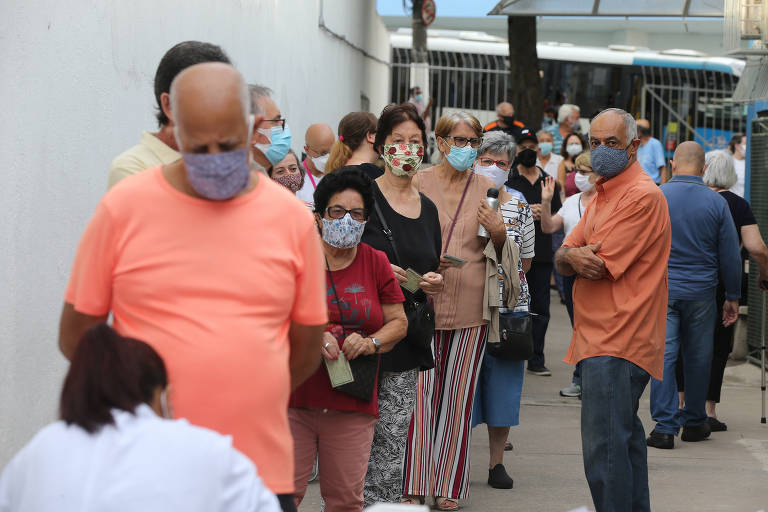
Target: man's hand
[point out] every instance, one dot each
(547, 189)
(586, 263)
(330, 348)
(536, 211)
(432, 283)
(730, 312)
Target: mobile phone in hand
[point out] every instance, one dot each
(455, 260)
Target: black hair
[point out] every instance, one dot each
(176, 60)
(348, 177)
(735, 141)
(564, 145)
(109, 371)
(393, 115)
(550, 110)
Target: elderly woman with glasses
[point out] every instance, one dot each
(366, 318)
(437, 461)
(497, 401)
(720, 175)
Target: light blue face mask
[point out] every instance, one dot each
(545, 148)
(280, 144)
(419, 98)
(461, 159)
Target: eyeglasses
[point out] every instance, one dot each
(278, 121)
(460, 142)
(501, 164)
(337, 212)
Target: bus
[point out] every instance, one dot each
(686, 95)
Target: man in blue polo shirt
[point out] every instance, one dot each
(704, 244)
(650, 154)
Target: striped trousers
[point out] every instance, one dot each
(437, 459)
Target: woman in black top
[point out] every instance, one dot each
(720, 176)
(415, 227)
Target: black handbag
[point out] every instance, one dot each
(515, 337)
(420, 313)
(365, 369)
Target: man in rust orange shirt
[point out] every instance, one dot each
(619, 251)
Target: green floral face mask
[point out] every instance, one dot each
(403, 159)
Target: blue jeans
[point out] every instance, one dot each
(690, 328)
(612, 435)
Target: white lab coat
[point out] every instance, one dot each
(142, 463)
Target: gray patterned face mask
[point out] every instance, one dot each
(218, 176)
(609, 162)
(343, 233)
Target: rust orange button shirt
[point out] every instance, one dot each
(624, 314)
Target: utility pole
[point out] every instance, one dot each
(419, 64)
(525, 90)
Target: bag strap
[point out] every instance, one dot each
(387, 232)
(338, 301)
(458, 209)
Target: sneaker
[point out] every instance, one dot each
(572, 391)
(696, 433)
(716, 425)
(661, 441)
(498, 478)
(541, 371)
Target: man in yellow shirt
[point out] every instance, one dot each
(160, 148)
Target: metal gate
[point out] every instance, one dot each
(759, 203)
(691, 104)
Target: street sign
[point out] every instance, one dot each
(428, 12)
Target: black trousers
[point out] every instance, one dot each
(538, 286)
(286, 502)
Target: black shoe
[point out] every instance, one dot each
(716, 425)
(498, 478)
(541, 371)
(661, 441)
(696, 433)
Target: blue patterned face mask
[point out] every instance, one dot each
(343, 233)
(461, 159)
(218, 176)
(609, 162)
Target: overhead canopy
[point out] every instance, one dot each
(673, 8)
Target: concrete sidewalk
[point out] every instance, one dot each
(728, 472)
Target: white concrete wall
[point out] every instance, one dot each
(76, 90)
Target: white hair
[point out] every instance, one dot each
(566, 109)
(719, 172)
(497, 142)
(258, 91)
(629, 122)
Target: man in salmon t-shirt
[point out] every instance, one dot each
(619, 251)
(216, 267)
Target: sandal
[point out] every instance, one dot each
(446, 504)
(409, 499)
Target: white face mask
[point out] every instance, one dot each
(573, 149)
(742, 148)
(268, 134)
(582, 182)
(165, 407)
(320, 161)
(498, 176)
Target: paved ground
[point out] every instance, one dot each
(728, 472)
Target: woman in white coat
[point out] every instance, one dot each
(113, 450)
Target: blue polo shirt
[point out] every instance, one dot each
(704, 241)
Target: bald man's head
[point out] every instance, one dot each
(319, 138)
(210, 106)
(688, 159)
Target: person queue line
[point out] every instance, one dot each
(258, 306)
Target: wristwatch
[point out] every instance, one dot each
(376, 344)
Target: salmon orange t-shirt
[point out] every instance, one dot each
(624, 315)
(213, 286)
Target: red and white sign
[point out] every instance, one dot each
(428, 12)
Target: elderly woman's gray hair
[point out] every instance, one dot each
(719, 172)
(497, 142)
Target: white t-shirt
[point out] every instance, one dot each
(143, 462)
(571, 212)
(738, 166)
(551, 167)
(307, 191)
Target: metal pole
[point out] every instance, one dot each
(762, 359)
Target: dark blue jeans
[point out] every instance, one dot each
(612, 435)
(538, 286)
(690, 328)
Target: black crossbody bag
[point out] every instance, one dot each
(420, 314)
(365, 369)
